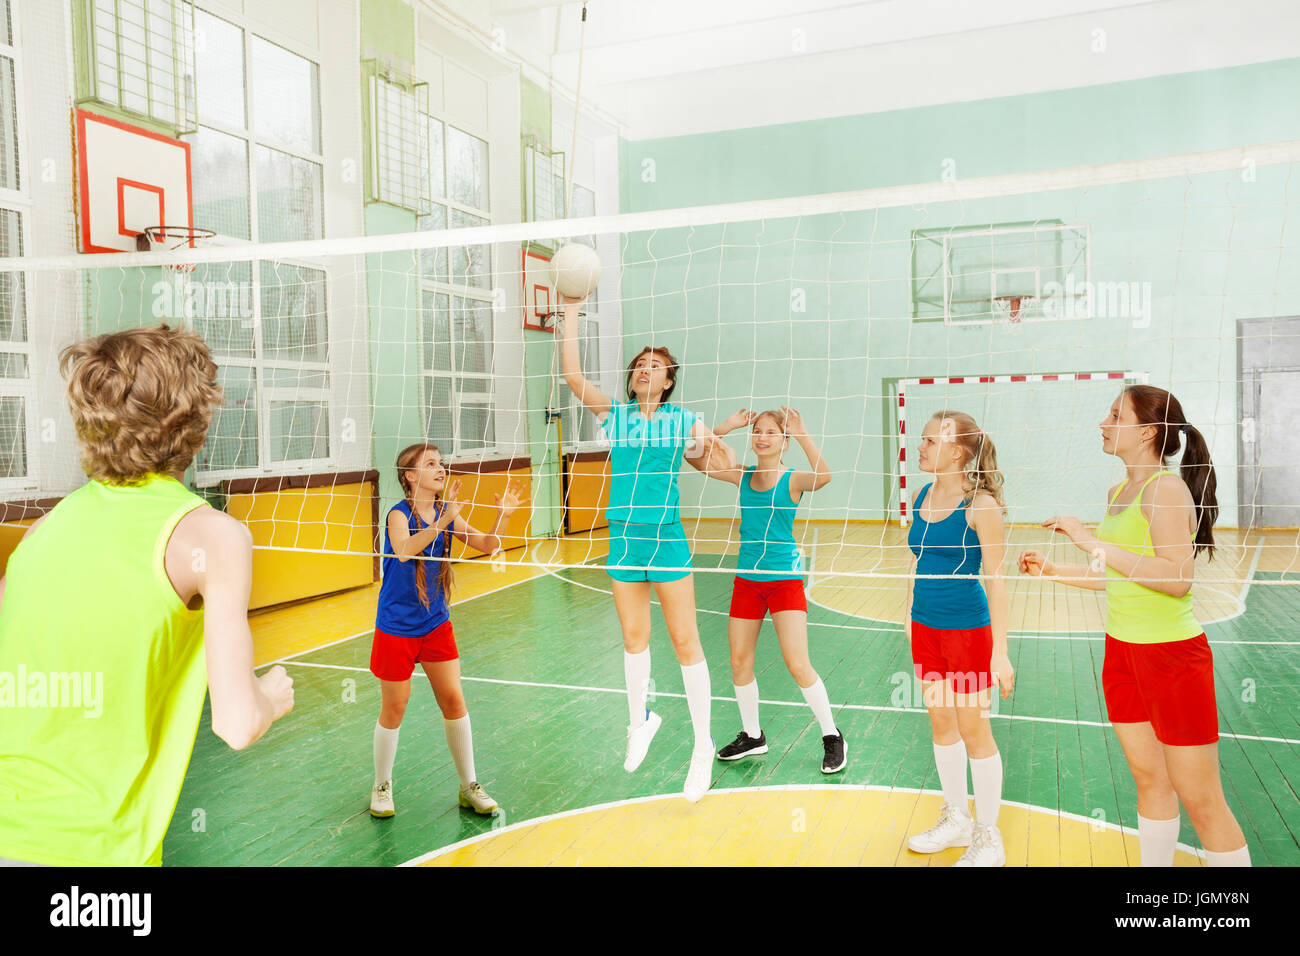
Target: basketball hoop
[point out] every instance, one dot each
(156, 236)
(1010, 306)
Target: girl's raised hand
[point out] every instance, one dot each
(794, 426)
(740, 419)
(513, 499)
(451, 503)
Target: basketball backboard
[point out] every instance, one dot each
(539, 298)
(128, 180)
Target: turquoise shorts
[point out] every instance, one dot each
(635, 548)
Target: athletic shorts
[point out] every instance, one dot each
(634, 548)
(394, 658)
(1169, 685)
(960, 657)
(751, 600)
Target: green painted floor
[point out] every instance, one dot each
(549, 736)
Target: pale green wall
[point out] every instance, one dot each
(1212, 247)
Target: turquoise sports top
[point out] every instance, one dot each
(767, 548)
(644, 459)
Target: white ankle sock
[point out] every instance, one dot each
(986, 778)
(461, 744)
(1156, 840)
(815, 695)
(385, 752)
(636, 671)
(747, 701)
(699, 701)
(951, 762)
(1231, 858)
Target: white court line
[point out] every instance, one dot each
(622, 692)
(788, 787)
(318, 647)
(1039, 635)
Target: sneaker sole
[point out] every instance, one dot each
(939, 849)
(381, 814)
(467, 805)
(748, 753)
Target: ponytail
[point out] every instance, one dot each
(1160, 409)
(1198, 473)
(984, 474)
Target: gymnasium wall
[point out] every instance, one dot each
(1212, 248)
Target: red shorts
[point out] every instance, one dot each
(394, 658)
(961, 656)
(1169, 685)
(752, 600)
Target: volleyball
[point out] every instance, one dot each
(575, 270)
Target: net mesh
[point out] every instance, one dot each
(866, 311)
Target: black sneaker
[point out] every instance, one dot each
(836, 754)
(744, 746)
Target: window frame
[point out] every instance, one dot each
(19, 201)
(259, 362)
(479, 294)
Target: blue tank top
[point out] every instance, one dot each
(767, 548)
(400, 612)
(949, 547)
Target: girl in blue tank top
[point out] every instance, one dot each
(769, 576)
(957, 632)
(413, 622)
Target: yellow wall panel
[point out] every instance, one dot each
(586, 494)
(311, 521)
(476, 490)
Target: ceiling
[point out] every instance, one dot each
(673, 67)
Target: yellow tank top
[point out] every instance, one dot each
(102, 679)
(1134, 612)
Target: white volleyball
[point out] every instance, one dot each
(575, 270)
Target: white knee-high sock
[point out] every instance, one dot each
(385, 752)
(951, 761)
(1156, 840)
(986, 778)
(747, 701)
(815, 695)
(636, 671)
(461, 744)
(1231, 858)
(699, 701)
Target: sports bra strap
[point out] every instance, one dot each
(1120, 489)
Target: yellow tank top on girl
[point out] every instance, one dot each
(1134, 612)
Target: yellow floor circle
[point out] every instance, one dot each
(779, 826)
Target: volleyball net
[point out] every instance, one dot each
(1026, 301)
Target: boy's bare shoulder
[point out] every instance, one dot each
(206, 526)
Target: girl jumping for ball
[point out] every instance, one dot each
(1158, 674)
(413, 623)
(958, 631)
(649, 437)
(769, 576)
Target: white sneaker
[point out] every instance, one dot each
(475, 798)
(953, 829)
(700, 775)
(638, 741)
(985, 848)
(381, 800)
